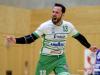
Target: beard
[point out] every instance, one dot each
(56, 20)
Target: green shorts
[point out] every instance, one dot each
(55, 63)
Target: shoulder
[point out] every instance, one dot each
(67, 23)
(45, 24)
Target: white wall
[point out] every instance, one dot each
(47, 3)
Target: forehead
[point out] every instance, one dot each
(57, 8)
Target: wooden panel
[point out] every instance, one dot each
(14, 21)
(86, 20)
(3, 61)
(22, 21)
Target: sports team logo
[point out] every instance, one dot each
(65, 28)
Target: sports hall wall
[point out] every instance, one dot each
(20, 22)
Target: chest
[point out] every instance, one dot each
(56, 32)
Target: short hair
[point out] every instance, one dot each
(62, 6)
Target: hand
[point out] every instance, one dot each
(93, 48)
(9, 40)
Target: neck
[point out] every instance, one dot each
(58, 23)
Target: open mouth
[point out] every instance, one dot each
(54, 18)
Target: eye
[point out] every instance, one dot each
(57, 12)
(52, 11)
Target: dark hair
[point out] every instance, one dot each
(62, 6)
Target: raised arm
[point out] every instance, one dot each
(27, 39)
(84, 42)
(10, 39)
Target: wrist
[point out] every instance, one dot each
(93, 48)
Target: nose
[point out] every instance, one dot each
(54, 14)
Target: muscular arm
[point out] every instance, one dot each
(26, 39)
(82, 40)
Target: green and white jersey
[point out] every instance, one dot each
(54, 37)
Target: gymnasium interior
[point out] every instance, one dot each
(22, 17)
